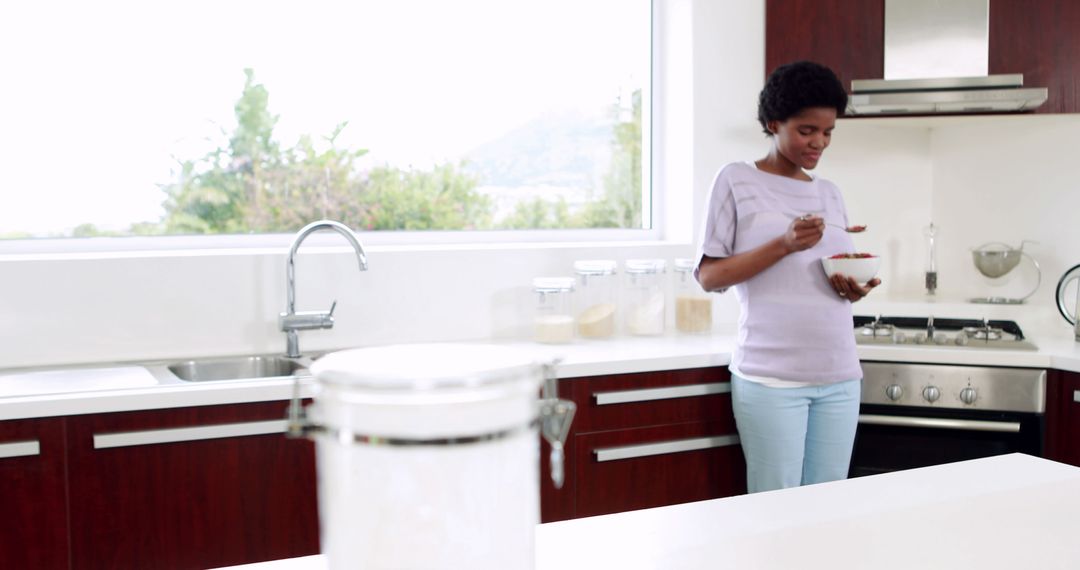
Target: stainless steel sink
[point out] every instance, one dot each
(239, 368)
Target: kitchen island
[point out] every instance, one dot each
(1005, 512)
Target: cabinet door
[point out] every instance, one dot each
(190, 488)
(33, 501)
(1040, 40)
(1063, 417)
(846, 35)
(650, 467)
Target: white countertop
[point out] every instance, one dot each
(114, 387)
(1005, 512)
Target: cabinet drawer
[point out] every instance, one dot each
(202, 487)
(642, 468)
(650, 399)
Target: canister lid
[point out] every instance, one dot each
(645, 265)
(684, 264)
(595, 267)
(422, 367)
(553, 284)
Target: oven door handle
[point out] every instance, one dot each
(939, 423)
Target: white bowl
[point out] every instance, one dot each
(862, 269)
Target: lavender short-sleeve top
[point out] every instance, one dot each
(793, 326)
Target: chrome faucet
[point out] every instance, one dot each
(291, 321)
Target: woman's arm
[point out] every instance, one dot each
(716, 273)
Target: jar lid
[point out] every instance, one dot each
(684, 264)
(645, 265)
(595, 266)
(553, 284)
(425, 367)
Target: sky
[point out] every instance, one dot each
(98, 100)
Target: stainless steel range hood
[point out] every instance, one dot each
(936, 61)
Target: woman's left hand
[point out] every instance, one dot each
(850, 289)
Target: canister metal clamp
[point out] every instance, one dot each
(555, 416)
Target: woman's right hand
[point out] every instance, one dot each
(804, 233)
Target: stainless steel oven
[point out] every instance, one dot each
(917, 415)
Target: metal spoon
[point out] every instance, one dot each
(856, 229)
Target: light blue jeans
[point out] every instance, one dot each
(795, 436)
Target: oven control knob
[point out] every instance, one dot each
(894, 392)
(968, 395)
(961, 339)
(941, 339)
(931, 393)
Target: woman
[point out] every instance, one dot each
(795, 375)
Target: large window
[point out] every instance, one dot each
(251, 116)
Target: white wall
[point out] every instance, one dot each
(1008, 179)
(885, 174)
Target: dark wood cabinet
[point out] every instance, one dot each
(1063, 417)
(1040, 40)
(647, 440)
(848, 36)
(1037, 39)
(189, 488)
(33, 497)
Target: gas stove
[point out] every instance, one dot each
(940, 332)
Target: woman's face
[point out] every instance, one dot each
(803, 137)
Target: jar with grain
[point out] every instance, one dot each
(553, 318)
(693, 306)
(595, 298)
(645, 296)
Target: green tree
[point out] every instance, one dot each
(539, 213)
(255, 185)
(621, 204)
(444, 198)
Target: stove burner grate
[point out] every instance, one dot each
(983, 333)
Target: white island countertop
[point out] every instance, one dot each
(998, 513)
(113, 387)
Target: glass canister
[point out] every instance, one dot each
(693, 306)
(427, 454)
(595, 297)
(553, 319)
(645, 296)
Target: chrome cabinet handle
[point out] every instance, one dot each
(940, 423)
(172, 435)
(650, 394)
(663, 447)
(20, 449)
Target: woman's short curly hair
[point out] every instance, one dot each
(795, 86)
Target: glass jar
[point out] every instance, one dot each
(420, 449)
(595, 298)
(553, 319)
(645, 298)
(693, 306)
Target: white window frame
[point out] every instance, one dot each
(663, 103)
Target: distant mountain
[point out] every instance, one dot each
(569, 149)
